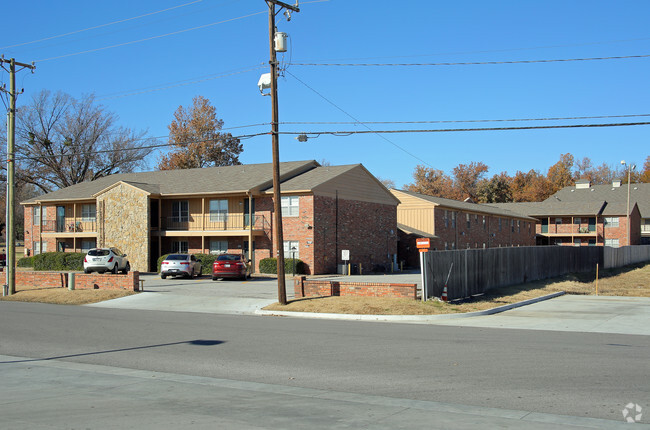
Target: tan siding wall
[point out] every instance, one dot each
(356, 184)
(409, 202)
(418, 218)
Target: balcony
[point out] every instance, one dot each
(214, 222)
(61, 226)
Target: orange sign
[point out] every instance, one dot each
(423, 243)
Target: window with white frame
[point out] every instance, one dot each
(218, 246)
(181, 211)
(218, 210)
(39, 247)
(484, 224)
(468, 219)
(611, 221)
(180, 247)
(290, 206)
(612, 242)
(88, 213)
(500, 223)
(291, 249)
(453, 219)
(87, 245)
(446, 220)
(36, 219)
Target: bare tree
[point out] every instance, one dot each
(61, 141)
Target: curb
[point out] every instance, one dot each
(406, 318)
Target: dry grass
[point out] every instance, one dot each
(630, 281)
(63, 296)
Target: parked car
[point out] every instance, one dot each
(230, 266)
(106, 260)
(181, 265)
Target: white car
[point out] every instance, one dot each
(181, 265)
(106, 260)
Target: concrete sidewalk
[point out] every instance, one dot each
(51, 394)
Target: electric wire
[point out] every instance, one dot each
(150, 38)
(463, 121)
(99, 26)
(471, 63)
(447, 130)
(357, 121)
(177, 84)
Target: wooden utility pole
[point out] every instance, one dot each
(275, 141)
(10, 228)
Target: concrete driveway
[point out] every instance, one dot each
(202, 294)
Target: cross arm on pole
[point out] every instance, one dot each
(284, 5)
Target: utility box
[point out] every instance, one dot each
(280, 41)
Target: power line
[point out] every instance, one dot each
(473, 63)
(447, 130)
(100, 26)
(150, 38)
(357, 121)
(177, 84)
(461, 121)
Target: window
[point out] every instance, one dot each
(291, 249)
(467, 218)
(39, 247)
(512, 225)
(558, 220)
(87, 245)
(500, 224)
(611, 242)
(518, 226)
(180, 247)
(290, 206)
(611, 221)
(446, 220)
(577, 242)
(484, 224)
(181, 211)
(88, 213)
(218, 246)
(218, 210)
(446, 246)
(577, 221)
(453, 219)
(453, 245)
(37, 215)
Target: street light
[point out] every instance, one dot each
(629, 176)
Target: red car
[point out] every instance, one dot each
(230, 266)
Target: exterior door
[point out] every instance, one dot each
(60, 218)
(592, 224)
(246, 215)
(545, 225)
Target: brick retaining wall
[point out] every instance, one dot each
(316, 288)
(83, 281)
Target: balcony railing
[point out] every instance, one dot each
(213, 222)
(60, 226)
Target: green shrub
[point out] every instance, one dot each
(58, 261)
(26, 262)
(270, 265)
(160, 260)
(207, 261)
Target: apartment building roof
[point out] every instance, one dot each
(212, 180)
(560, 208)
(583, 192)
(466, 206)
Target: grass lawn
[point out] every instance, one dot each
(63, 296)
(629, 281)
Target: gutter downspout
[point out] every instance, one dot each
(251, 253)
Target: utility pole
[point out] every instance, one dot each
(275, 141)
(10, 228)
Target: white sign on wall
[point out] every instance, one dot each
(345, 254)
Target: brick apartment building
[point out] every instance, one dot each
(585, 214)
(581, 223)
(222, 209)
(452, 224)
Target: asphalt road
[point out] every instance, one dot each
(566, 373)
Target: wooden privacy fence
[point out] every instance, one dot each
(475, 271)
(626, 255)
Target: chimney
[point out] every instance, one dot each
(616, 183)
(582, 184)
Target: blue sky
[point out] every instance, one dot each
(144, 82)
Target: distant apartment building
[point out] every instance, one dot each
(584, 215)
(452, 224)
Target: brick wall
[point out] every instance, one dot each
(316, 288)
(130, 281)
